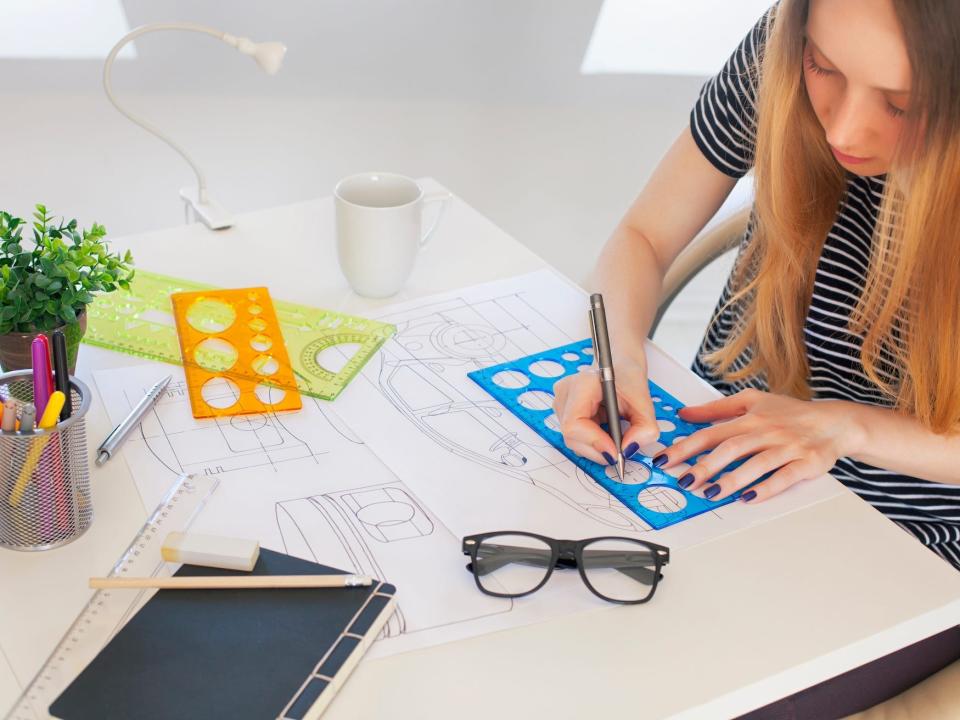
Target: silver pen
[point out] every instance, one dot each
(115, 439)
(601, 345)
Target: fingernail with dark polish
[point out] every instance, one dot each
(609, 458)
(631, 449)
(711, 492)
(685, 481)
(659, 460)
(748, 495)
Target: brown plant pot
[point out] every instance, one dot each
(15, 347)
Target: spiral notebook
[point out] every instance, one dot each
(272, 653)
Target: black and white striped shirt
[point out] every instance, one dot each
(723, 123)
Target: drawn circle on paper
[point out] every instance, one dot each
(661, 499)
(634, 473)
(665, 425)
(264, 365)
(258, 325)
(413, 346)
(538, 400)
(471, 342)
(214, 354)
(510, 379)
(546, 369)
(334, 358)
(210, 315)
(261, 342)
(254, 309)
(570, 357)
(248, 423)
(386, 514)
(269, 394)
(552, 422)
(220, 393)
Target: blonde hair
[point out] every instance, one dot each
(909, 313)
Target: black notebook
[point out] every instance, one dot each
(272, 653)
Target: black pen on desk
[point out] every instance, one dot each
(61, 373)
(601, 345)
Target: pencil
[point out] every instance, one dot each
(47, 422)
(232, 582)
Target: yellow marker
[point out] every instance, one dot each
(50, 416)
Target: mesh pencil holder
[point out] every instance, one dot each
(44, 475)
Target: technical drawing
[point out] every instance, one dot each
(383, 531)
(422, 372)
(225, 444)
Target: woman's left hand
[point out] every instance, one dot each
(795, 439)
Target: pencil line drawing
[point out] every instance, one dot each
(384, 531)
(225, 444)
(422, 372)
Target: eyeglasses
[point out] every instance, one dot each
(513, 564)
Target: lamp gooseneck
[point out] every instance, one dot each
(269, 57)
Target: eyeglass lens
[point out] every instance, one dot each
(620, 569)
(511, 564)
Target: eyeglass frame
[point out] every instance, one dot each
(564, 550)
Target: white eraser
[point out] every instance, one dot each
(210, 551)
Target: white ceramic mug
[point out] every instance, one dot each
(380, 230)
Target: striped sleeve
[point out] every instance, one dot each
(723, 120)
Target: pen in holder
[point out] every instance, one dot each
(45, 474)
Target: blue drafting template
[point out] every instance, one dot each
(525, 388)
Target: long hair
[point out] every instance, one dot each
(908, 315)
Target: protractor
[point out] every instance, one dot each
(309, 354)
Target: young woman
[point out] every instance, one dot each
(837, 337)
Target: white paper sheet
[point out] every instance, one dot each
(303, 483)
(412, 457)
(478, 466)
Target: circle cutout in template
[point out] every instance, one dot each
(546, 368)
(253, 296)
(215, 355)
(552, 422)
(661, 499)
(656, 398)
(261, 342)
(587, 351)
(510, 379)
(668, 408)
(258, 325)
(665, 425)
(254, 309)
(220, 393)
(209, 315)
(264, 365)
(538, 400)
(570, 357)
(334, 358)
(634, 473)
(269, 394)
(678, 438)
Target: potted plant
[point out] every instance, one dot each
(47, 284)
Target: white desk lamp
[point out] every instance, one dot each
(269, 56)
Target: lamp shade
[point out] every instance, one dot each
(269, 56)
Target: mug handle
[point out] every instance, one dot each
(443, 197)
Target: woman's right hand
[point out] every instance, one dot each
(578, 404)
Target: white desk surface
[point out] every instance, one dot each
(737, 622)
